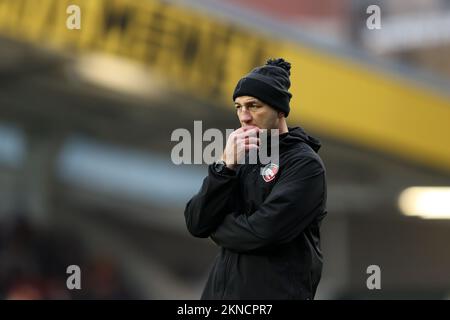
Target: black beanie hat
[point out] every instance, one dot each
(269, 83)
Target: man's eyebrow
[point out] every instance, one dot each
(247, 102)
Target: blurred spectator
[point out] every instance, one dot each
(33, 265)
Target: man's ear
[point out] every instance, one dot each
(281, 115)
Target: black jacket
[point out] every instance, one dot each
(268, 231)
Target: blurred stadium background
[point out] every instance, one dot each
(86, 118)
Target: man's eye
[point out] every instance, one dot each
(237, 107)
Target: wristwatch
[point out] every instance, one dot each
(221, 167)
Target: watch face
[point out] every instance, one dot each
(219, 166)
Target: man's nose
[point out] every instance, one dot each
(245, 116)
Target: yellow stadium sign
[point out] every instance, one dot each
(206, 55)
(193, 51)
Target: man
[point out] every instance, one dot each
(265, 218)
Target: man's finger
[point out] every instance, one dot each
(251, 146)
(247, 140)
(251, 140)
(246, 128)
(249, 133)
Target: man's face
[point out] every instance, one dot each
(252, 111)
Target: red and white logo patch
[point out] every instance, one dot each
(269, 172)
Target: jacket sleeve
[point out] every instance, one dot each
(296, 199)
(206, 210)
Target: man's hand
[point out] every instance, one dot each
(238, 143)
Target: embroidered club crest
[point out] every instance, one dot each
(269, 172)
